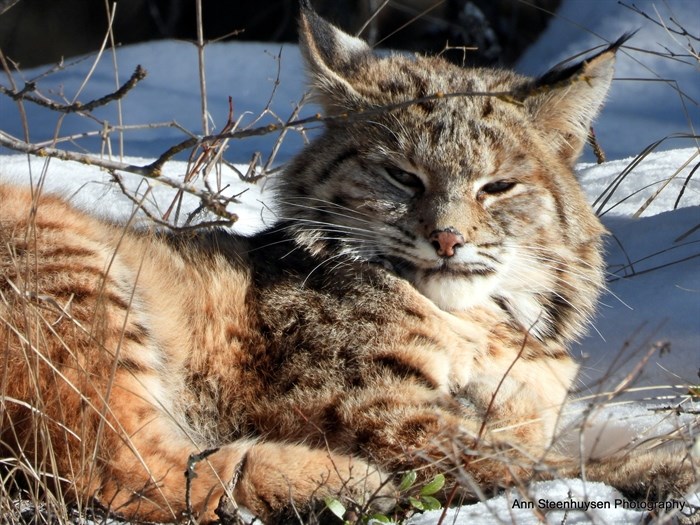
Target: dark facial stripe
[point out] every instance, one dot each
(333, 165)
(557, 309)
(410, 235)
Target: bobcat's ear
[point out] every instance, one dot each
(331, 56)
(565, 100)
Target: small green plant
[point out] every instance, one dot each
(422, 499)
(411, 500)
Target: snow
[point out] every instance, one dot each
(246, 72)
(652, 308)
(92, 190)
(653, 262)
(511, 507)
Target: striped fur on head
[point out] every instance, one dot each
(459, 180)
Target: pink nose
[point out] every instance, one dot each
(445, 241)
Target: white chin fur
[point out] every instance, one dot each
(454, 293)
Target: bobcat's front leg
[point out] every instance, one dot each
(508, 377)
(429, 433)
(143, 470)
(410, 427)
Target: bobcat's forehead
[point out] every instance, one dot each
(442, 131)
(453, 143)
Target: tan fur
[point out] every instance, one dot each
(327, 355)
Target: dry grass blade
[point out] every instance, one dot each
(602, 200)
(651, 198)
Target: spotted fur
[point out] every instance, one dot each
(411, 309)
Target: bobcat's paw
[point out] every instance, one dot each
(653, 475)
(279, 483)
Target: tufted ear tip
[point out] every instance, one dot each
(306, 12)
(620, 41)
(568, 71)
(324, 44)
(565, 100)
(331, 55)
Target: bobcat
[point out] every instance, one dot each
(411, 309)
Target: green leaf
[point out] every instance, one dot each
(415, 503)
(430, 503)
(335, 506)
(407, 480)
(435, 484)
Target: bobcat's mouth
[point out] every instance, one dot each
(445, 268)
(467, 270)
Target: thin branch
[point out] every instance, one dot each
(109, 128)
(681, 32)
(514, 97)
(202, 72)
(115, 67)
(23, 94)
(139, 204)
(20, 104)
(418, 16)
(216, 206)
(190, 474)
(15, 144)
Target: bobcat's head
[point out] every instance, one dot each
(459, 180)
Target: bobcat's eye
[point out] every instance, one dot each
(496, 187)
(405, 179)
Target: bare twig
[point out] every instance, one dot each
(681, 31)
(227, 510)
(190, 474)
(20, 104)
(115, 67)
(372, 36)
(109, 128)
(5, 5)
(24, 94)
(202, 72)
(418, 16)
(139, 204)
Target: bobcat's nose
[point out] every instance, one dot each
(445, 241)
